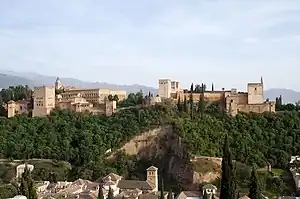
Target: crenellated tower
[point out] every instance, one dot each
(256, 92)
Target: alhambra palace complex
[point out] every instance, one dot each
(46, 98)
(233, 101)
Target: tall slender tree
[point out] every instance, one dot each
(185, 105)
(100, 193)
(162, 189)
(110, 194)
(228, 173)
(192, 87)
(201, 103)
(170, 194)
(254, 189)
(32, 190)
(191, 104)
(205, 196)
(212, 87)
(179, 105)
(238, 195)
(27, 187)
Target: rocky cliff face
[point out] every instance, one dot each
(165, 147)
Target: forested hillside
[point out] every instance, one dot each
(76, 138)
(82, 139)
(255, 138)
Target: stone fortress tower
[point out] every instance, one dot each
(167, 87)
(256, 92)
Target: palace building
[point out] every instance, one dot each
(232, 100)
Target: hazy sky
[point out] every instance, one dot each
(228, 42)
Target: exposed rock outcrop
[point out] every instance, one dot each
(164, 145)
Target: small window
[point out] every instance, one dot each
(255, 88)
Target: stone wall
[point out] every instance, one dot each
(208, 96)
(257, 108)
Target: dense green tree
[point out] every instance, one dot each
(15, 93)
(133, 99)
(254, 189)
(200, 88)
(227, 180)
(8, 191)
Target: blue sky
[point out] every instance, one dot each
(228, 42)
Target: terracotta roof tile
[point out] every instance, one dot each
(152, 168)
(113, 176)
(132, 184)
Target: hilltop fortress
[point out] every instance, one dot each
(233, 101)
(98, 101)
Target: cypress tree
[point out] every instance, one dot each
(201, 103)
(238, 195)
(110, 194)
(227, 181)
(32, 190)
(27, 187)
(212, 87)
(179, 106)
(280, 100)
(254, 189)
(162, 189)
(170, 194)
(100, 193)
(205, 196)
(191, 102)
(24, 186)
(192, 87)
(185, 105)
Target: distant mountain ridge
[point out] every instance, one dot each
(11, 78)
(288, 95)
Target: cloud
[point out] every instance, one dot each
(184, 39)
